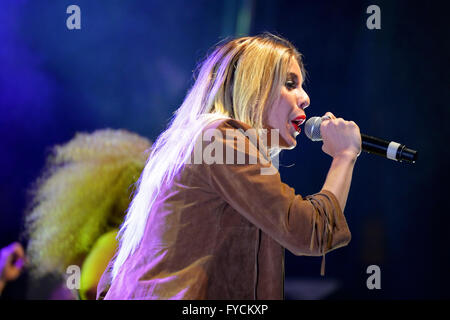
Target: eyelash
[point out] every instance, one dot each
(290, 85)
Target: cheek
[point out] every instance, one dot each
(272, 115)
(278, 118)
(285, 110)
(278, 115)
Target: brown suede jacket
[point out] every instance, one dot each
(219, 232)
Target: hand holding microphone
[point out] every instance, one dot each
(344, 136)
(340, 137)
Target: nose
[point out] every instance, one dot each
(303, 100)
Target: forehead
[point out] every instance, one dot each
(294, 70)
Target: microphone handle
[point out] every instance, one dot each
(388, 149)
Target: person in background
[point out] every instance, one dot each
(12, 260)
(79, 202)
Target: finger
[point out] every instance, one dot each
(329, 114)
(15, 254)
(19, 264)
(13, 247)
(16, 259)
(18, 250)
(354, 124)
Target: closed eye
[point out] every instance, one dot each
(290, 85)
(291, 81)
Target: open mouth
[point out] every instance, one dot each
(297, 122)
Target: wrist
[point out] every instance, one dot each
(347, 155)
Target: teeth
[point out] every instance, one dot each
(299, 122)
(296, 125)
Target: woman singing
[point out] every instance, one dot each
(217, 228)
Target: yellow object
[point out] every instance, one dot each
(95, 264)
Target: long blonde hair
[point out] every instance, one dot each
(238, 80)
(83, 192)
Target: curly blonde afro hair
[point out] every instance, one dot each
(83, 193)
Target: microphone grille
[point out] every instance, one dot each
(312, 128)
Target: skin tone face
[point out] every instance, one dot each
(287, 114)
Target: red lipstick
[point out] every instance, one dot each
(297, 122)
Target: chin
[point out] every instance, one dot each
(288, 144)
(290, 147)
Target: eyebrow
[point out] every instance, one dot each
(293, 76)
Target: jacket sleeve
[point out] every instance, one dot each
(105, 281)
(311, 225)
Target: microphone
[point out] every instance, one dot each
(387, 149)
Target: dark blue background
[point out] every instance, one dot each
(130, 67)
